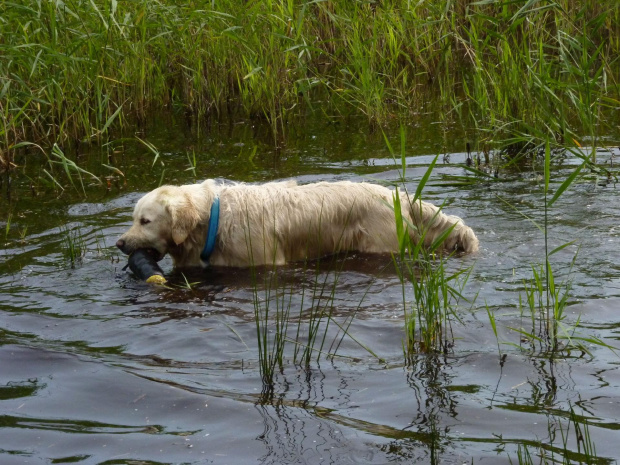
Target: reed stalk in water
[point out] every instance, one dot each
(75, 70)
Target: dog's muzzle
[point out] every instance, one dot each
(128, 250)
(122, 245)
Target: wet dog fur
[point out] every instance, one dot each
(280, 222)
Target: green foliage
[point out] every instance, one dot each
(436, 297)
(436, 292)
(307, 332)
(508, 71)
(73, 245)
(552, 452)
(546, 297)
(7, 227)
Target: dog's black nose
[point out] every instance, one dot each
(120, 244)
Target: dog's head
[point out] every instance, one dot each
(164, 218)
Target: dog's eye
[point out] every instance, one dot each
(144, 221)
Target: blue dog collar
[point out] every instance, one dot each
(212, 231)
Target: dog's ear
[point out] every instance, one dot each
(184, 217)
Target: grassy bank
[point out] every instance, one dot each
(73, 70)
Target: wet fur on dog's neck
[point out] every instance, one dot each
(188, 252)
(190, 222)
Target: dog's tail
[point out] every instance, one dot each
(430, 223)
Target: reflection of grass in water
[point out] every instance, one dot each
(549, 452)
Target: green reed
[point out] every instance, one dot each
(73, 245)
(57, 160)
(278, 327)
(541, 73)
(423, 271)
(72, 71)
(311, 337)
(546, 294)
(305, 332)
(436, 297)
(270, 344)
(7, 226)
(576, 447)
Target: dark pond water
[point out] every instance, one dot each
(97, 367)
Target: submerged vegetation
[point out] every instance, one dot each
(508, 72)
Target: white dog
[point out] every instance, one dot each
(275, 223)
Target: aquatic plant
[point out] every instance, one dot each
(307, 332)
(435, 300)
(70, 168)
(272, 311)
(547, 298)
(73, 245)
(423, 270)
(74, 71)
(7, 226)
(192, 163)
(102, 250)
(549, 452)
(493, 322)
(270, 348)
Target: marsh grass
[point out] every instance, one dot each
(22, 231)
(103, 251)
(436, 296)
(436, 293)
(7, 226)
(70, 169)
(547, 293)
(62, 170)
(192, 163)
(573, 447)
(73, 245)
(311, 338)
(288, 314)
(502, 70)
(271, 340)
(298, 318)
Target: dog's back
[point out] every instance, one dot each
(278, 222)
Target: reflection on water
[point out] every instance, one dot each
(96, 367)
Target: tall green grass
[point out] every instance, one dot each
(504, 70)
(58, 164)
(423, 270)
(547, 293)
(435, 291)
(298, 317)
(73, 245)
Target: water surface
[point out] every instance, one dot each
(97, 367)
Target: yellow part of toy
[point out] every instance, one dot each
(156, 279)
